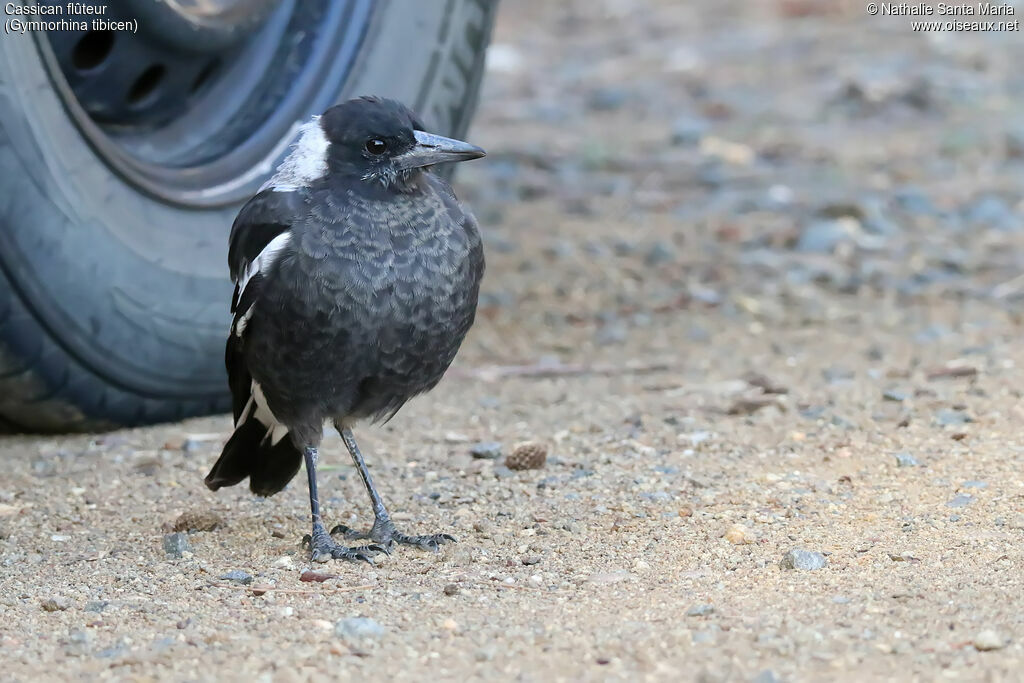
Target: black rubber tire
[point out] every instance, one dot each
(113, 305)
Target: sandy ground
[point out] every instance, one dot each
(753, 281)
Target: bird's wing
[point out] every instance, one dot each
(259, 236)
(259, 233)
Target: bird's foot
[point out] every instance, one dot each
(384, 533)
(323, 548)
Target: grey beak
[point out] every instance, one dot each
(433, 149)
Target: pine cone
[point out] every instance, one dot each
(530, 455)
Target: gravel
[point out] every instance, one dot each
(885, 152)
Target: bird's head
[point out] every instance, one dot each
(380, 140)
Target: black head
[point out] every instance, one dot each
(383, 140)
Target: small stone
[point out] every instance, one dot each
(905, 459)
(823, 236)
(703, 637)
(895, 395)
(989, 640)
(700, 610)
(960, 500)
(660, 254)
(767, 676)
(55, 605)
(611, 333)
(738, 534)
(529, 455)
(530, 559)
(803, 559)
(607, 99)
(359, 630)
(450, 624)
(486, 450)
(237, 576)
(952, 417)
(688, 131)
(451, 589)
(96, 606)
(284, 562)
(176, 544)
(190, 446)
(974, 485)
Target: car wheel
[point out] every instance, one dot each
(124, 157)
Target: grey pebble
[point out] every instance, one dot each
(96, 605)
(905, 459)
(55, 605)
(993, 212)
(451, 589)
(660, 253)
(960, 500)
(803, 559)
(952, 417)
(700, 610)
(974, 484)
(176, 544)
(486, 450)
(895, 395)
(530, 559)
(358, 629)
(703, 637)
(688, 130)
(607, 99)
(611, 333)
(823, 236)
(237, 576)
(766, 676)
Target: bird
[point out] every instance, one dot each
(356, 273)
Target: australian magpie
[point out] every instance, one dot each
(356, 276)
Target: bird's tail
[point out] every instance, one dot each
(258, 450)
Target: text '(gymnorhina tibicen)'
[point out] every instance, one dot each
(356, 276)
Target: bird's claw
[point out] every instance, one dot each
(323, 548)
(385, 534)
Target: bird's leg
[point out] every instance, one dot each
(383, 530)
(321, 544)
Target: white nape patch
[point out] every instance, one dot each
(264, 260)
(305, 163)
(275, 430)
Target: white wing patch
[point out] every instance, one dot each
(306, 162)
(275, 430)
(264, 260)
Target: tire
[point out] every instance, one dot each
(114, 304)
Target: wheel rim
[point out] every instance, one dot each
(203, 127)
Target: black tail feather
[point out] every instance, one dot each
(250, 453)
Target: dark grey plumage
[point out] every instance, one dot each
(357, 273)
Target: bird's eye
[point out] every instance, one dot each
(376, 146)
